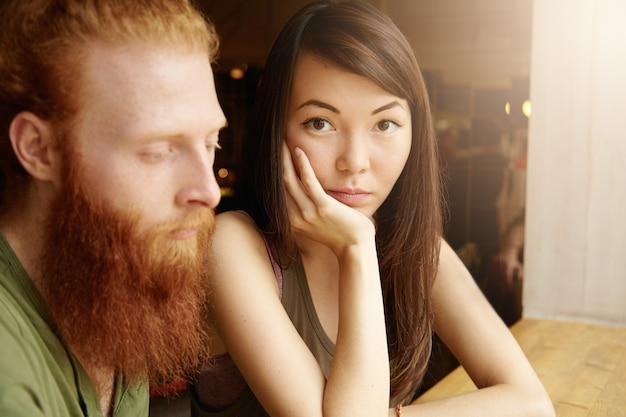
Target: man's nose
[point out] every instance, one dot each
(200, 186)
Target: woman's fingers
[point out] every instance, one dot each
(315, 213)
(308, 179)
(303, 211)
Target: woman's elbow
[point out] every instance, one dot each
(539, 404)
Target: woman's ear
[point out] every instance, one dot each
(35, 145)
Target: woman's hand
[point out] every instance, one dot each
(315, 214)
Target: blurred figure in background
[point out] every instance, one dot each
(505, 276)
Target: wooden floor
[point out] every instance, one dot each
(582, 366)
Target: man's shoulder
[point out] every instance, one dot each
(31, 356)
(12, 317)
(37, 374)
(22, 331)
(20, 378)
(19, 312)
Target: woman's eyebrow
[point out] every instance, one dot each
(321, 104)
(388, 106)
(327, 106)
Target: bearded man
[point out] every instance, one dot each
(109, 126)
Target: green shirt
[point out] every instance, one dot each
(38, 374)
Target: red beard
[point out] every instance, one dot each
(123, 299)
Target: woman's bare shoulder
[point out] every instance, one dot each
(235, 218)
(235, 227)
(238, 248)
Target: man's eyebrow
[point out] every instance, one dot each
(167, 134)
(319, 104)
(388, 106)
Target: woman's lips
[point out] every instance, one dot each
(349, 197)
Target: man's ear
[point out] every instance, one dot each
(35, 145)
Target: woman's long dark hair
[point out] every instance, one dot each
(357, 37)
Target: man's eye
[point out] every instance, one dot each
(153, 157)
(213, 146)
(318, 124)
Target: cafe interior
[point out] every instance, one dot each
(526, 100)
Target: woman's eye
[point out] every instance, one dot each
(318, 124)
(387, 126)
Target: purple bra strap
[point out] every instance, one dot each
(277, 271)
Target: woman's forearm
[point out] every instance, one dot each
(358, 383)
(496, 401)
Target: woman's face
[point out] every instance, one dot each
(356, 135)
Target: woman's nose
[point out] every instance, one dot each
(354, 154)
